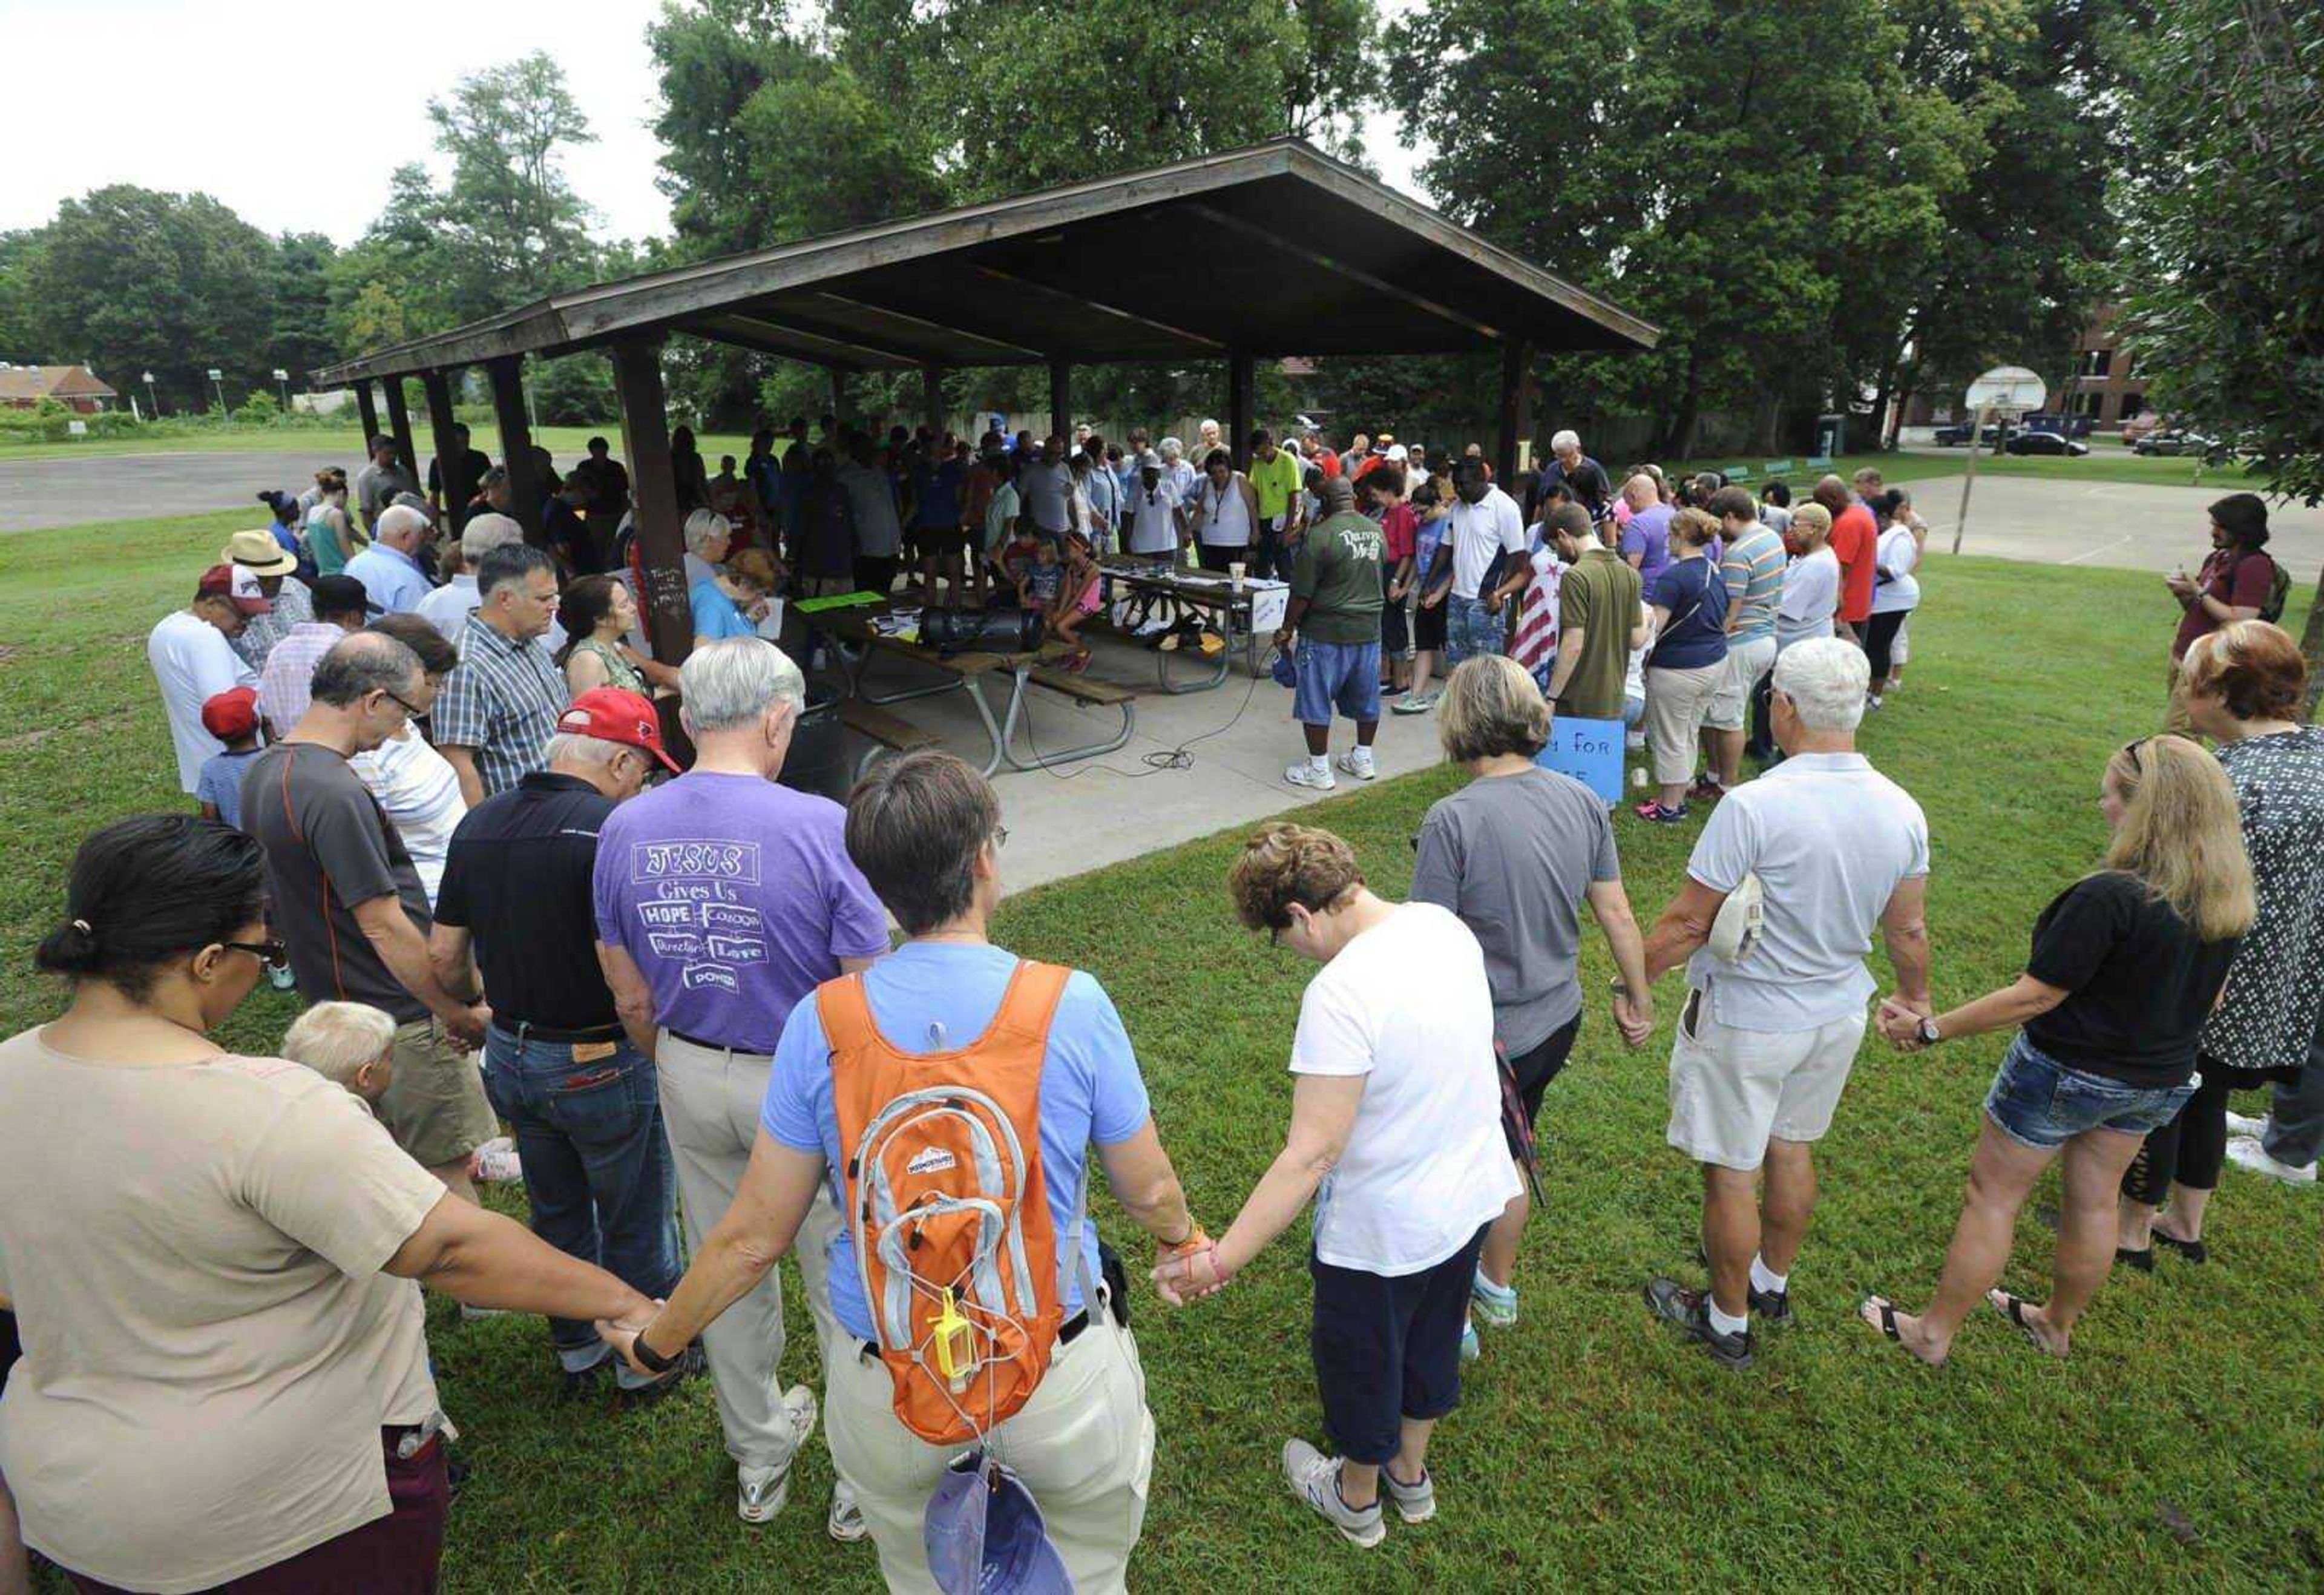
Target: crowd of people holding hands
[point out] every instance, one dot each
(444, 812)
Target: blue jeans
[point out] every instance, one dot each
(597, 1168)
(1469, 630)
(2040, 1102)
(1345, 673)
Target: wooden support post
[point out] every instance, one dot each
(366, 415)
(1241, 402)
(398, 427)
(1060, 399)
(932, 404)
(525, 493)
(1515, 417)
(653, 488)
(437, 386)
(839, 395)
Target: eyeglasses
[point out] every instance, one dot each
(999, 837)
(407, 707)
(273, 954)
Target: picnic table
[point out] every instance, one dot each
(860, 642)
(1208, 591)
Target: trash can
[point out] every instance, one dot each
(817, 760)
(1831, 435)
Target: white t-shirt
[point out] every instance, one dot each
(1811, 595)
(448, 607)
(1634, 683)
(1897, 556)
(1406, 1005)
(1153, 518)
(1480, 530)
(1830, 838)
(422, 794)
(1222, 520)
(193, 663)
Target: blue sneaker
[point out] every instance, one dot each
(1470, 1350)
(1497, 1305)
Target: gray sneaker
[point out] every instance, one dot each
(1689, 1310)
(759, 1493)
(1414, 1503)
(845, 1521)
(1314, 1479)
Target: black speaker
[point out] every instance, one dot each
(974, 631)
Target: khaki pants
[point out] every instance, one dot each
(710, 1101)
(2175, 722)
(1084, 1445)
(435, 1106)
(1676, 701)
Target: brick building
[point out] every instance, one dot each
(75, 387)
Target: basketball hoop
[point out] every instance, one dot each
(2008, 392)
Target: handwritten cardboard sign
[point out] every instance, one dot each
(1590, 750)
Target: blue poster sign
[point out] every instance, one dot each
(1590, 750)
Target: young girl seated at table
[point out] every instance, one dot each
(1038, 583)
(1076, 600)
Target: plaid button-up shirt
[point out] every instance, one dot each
(502, 700)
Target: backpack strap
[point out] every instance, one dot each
(1029, 1006)
(845, 1012)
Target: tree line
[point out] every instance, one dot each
(1826, 204)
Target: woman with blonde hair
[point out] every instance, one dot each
(1810, 583)
(2127, 964)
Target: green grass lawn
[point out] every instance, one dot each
(565, 443)
(2178, 1448)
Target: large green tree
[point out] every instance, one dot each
(2223, 209)
(134, 281)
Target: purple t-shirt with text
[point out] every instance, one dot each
(735, 897)
(1648, 535)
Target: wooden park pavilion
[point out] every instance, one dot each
(1271, 251)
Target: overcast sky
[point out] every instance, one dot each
(294, 112)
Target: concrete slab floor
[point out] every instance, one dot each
(1237, 739)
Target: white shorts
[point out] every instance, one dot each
(1730, 706)
(1733, 1091)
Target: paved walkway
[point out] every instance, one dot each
(35, 494)
(2124, 525)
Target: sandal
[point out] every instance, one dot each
(2013, 1307)
(2142, 1258)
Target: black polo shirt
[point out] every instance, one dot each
(516, 877)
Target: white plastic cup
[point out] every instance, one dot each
(1234, 573)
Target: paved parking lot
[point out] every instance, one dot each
(34, 493)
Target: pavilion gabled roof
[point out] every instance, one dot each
(1273, 250)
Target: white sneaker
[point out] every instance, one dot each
(2244, 1152)
(1314, 1479)
(760, 1492)
(1304, 774)
(844, 1522)
(2245, 1125)
(1414, 1503)
(1358, 762)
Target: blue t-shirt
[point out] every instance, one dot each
(715, 615)
(1696, 596)
(930, 997)
(220, 783)
(1648, 535)
(937, 491)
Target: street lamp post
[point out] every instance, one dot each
(217, 381)
(153, 399)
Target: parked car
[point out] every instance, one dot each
(2044, 443)
(1956, 436)
(2175, 440)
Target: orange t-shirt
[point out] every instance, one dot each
(1855, 534)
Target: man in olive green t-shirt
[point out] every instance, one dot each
(1275, 476)
(1334, 618)
(1597, 612)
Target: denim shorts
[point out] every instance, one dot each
(1345, 673)
(2038, 1102)
(1470, 630)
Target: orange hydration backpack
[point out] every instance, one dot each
(950, 1213)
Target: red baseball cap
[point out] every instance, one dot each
(612, 715)
(231, 713)
(217, 582)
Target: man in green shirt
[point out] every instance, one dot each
(1276, 476)
(1333, 619)
(1598, 622)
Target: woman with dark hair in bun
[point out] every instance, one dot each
(223, 1383)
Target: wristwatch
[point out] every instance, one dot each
(651, 1360)
(1929, 1034)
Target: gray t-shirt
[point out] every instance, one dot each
(1048, 491)
(330, 846)
(1513, 855)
